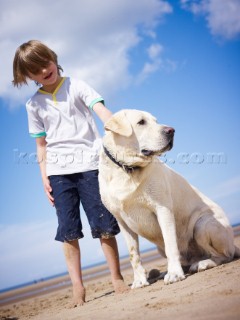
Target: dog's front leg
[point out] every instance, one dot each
(131, 238)
(167, 224)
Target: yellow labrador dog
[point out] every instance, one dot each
(151, 200)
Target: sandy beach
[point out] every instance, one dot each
(212, 294)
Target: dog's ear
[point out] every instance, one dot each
(120, 124)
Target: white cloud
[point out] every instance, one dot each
(91, 39)
(227, 188)
(227, 194)
(156, 62)
(155, 50)
(223, 16)
(28, 252)
(154, 54)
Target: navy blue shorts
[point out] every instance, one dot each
(71, 189)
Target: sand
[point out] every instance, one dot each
(212, 294)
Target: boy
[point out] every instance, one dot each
(67, 147)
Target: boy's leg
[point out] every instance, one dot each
(73, 260)
(110, 250)
(67, 201)
(103, 225)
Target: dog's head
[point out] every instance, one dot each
(139, 133)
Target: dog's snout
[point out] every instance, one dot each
(169, 131)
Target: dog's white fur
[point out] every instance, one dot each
(158, 204)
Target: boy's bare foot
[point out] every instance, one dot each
(119, 286)
(78, 297)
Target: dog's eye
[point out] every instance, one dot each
(141, 122)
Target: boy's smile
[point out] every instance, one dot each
(48, 77)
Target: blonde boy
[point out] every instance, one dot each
(67, 139)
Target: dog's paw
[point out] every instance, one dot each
(202, 265)
(194, 267)
(139, 283)
(173, 277)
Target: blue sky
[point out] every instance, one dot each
(178, 60)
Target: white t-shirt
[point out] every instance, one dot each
(66, 120)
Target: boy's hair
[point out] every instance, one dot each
(30, 57)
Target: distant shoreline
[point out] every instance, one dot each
(58, 282)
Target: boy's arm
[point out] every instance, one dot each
(41, 154)
(102, 112)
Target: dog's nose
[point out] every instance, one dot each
(169, 131)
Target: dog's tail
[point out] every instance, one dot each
(237, 252)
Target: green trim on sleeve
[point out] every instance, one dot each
(100, 99)
(38, 135)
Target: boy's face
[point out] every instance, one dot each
(47, 76)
